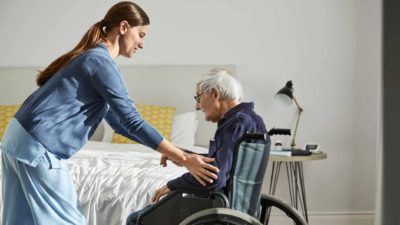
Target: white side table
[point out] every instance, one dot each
(294, 171)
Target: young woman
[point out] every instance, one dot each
(76, 92)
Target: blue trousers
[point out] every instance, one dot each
(133, 217)
(41, 195)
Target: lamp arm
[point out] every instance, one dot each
(297, 104)
(300, 110)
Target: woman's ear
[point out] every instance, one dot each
(123, 27)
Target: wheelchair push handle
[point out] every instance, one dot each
(254, 136)
(263, 136)
(279, 131)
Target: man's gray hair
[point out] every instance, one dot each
(223, 81)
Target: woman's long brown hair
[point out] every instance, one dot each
(128, 11)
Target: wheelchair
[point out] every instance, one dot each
(240, 204)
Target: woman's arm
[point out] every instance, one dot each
(107, 80)
(115, 124)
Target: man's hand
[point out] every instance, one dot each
(163, 160)
(160, 193)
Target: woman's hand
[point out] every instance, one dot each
(198, 166)
(160, 193)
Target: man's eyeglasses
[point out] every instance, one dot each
(197, 98)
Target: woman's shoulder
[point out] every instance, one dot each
(98, 57)
(99, 52)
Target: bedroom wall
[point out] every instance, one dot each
(330, 49)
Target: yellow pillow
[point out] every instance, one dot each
(160, 117)
(7, 112)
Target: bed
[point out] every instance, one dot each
(115, 179)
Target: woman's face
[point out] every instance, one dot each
(209, 104)
(131, 40)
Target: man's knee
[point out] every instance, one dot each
(132, 218)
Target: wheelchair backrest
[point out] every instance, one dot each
(249, 165)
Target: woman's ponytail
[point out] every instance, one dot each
(91, 39)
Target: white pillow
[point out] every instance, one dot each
(108, 132)
(184, 126)
(103, 132)
(98, 134)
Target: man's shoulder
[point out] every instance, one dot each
(245, 115)
(248, 119)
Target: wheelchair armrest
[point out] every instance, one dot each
(205, 194)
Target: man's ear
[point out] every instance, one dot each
(215, 93)
(123, 27)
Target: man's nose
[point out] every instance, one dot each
(198, 106)
(141, 45)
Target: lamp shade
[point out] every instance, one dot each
(285, 94)
(287, 90)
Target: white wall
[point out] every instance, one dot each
(329, 48)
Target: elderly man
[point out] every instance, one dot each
(219, 96)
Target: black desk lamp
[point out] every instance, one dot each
(288, 92)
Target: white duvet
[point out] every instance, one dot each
(112, 180)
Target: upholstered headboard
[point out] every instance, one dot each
(154, 85)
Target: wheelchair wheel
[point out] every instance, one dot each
(220, 216)
(268, 202)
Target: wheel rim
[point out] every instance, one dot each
(215, 216)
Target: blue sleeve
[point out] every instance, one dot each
(222, 151)
(106, 79)
(115, 124)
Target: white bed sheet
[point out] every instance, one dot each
(112, 180)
